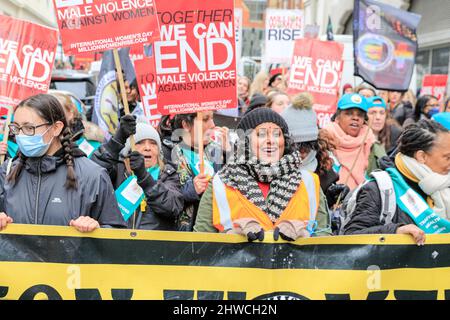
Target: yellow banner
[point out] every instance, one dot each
(40, 262)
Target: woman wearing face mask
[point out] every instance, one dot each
(51, 182)
(86, 135)
(356, 147)
(160, 201)
(187, 159)
(386, 130)
(263, 188)
(420, 175)
(427, 106)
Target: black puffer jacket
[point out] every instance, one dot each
(366, 217)
(164, 199)
(40, 197)
(403, 112)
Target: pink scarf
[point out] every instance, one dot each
(347, 148)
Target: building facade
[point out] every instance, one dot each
(433, 33)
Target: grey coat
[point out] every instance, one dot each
(39, 195)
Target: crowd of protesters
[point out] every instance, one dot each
(276, 171)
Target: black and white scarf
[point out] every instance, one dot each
(284, 178)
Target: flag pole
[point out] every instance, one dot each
(122, 91)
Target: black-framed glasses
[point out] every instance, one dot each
(28, 129)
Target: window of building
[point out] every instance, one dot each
(440, 60)
(432, 61)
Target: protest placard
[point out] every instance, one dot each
(317, 68)
(283, 27)
(27, 54)
(100, 25)
(435, 85)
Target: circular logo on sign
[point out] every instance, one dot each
(375, 52)
(356, 99)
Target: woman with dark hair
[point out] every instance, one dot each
(165, 132)
(263, 188)
(51, 182)
(186, 156)
(420, 175)
(386, 129)
(401, 111)
(427, 106)
(357, 150)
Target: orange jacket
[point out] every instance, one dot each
(230, 205)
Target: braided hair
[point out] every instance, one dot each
(420, 136)
(50, 109)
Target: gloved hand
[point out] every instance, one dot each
(249, 228)
(334, 191)
(126, 129)
(137, 164)
(290, 230)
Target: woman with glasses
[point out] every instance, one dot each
(51, 182)
(263, 188)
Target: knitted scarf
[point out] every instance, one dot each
(284, 178)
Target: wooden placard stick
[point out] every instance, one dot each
(127, 111)
(199, 131)
(122, 91)
(6, 132)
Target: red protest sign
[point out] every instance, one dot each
(317, 68)
(27, 54)
(435, 85)
(100, 25)
(145, 75)
(196, 57)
